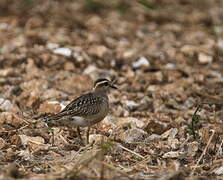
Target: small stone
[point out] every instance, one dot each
(141, 62)
(90, 69)
(152, 88)
(5, 104)
(172, 154)
(170, 66)
(218, 171)
(129, 121)
(3, 26)
(192, 148)
(156, 127)
(50, 107)
(174, 143)
(52, 93)
(52, 45)
(63, 51)
(7, 72)
(171, 133)
(204, 58)
(128, 53)
(79, 54)
(220, 43)
(2, 143)
(189, 50)
(95, 72)
(132, 105)
(69, 66)
(98, 51)
(108, 122)
(152, 137)
(97, 139)
(219, 46)
(133, 135)
(10, 118)
(26, 139)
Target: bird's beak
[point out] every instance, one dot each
(112, 86)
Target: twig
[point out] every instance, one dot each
(204, 152)
(115, 169)
(16, 130)
(28, 123)
(219, 150)
(137, 154)
(79, 166)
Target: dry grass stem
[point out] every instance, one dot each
(203, 153)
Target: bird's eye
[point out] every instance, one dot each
(106, 83)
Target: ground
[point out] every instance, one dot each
(166, 118)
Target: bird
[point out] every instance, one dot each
(86, 110)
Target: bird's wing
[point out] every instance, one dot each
(85, 99)
(85, 105)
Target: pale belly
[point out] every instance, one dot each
(88, 121)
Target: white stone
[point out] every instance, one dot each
(57, 102)
(63, 51)
(170, 66)
(129, 121)
(171, 133)
(218, 171)
(172, 154)
(131, 104)
(52, 45)
(5, 104)
(134, 135)
(204, 58)
(3, 26)
(220, 43)
(97, 139)
(141, 62)
(153, 137)
(192, 148)
(90, 69)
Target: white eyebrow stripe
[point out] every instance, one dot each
(101, 82)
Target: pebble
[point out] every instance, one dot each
(134, 135)
(51, 107)
(132, 105)
(171, 133)
(192, 148)
(5, 104)
(2, 143)
(98, 51)
(141, 62)
(63, 51)
(204, 58)
(130, 121)
(152, 137)
(52, 45)
(218, 171)
(97, 139)
(172, 154)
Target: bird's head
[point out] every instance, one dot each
(103, 84)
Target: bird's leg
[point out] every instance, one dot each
(52, 133)
(88, 130)
(79, 133)
(53, 139)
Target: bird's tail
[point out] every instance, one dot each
(52, 120)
